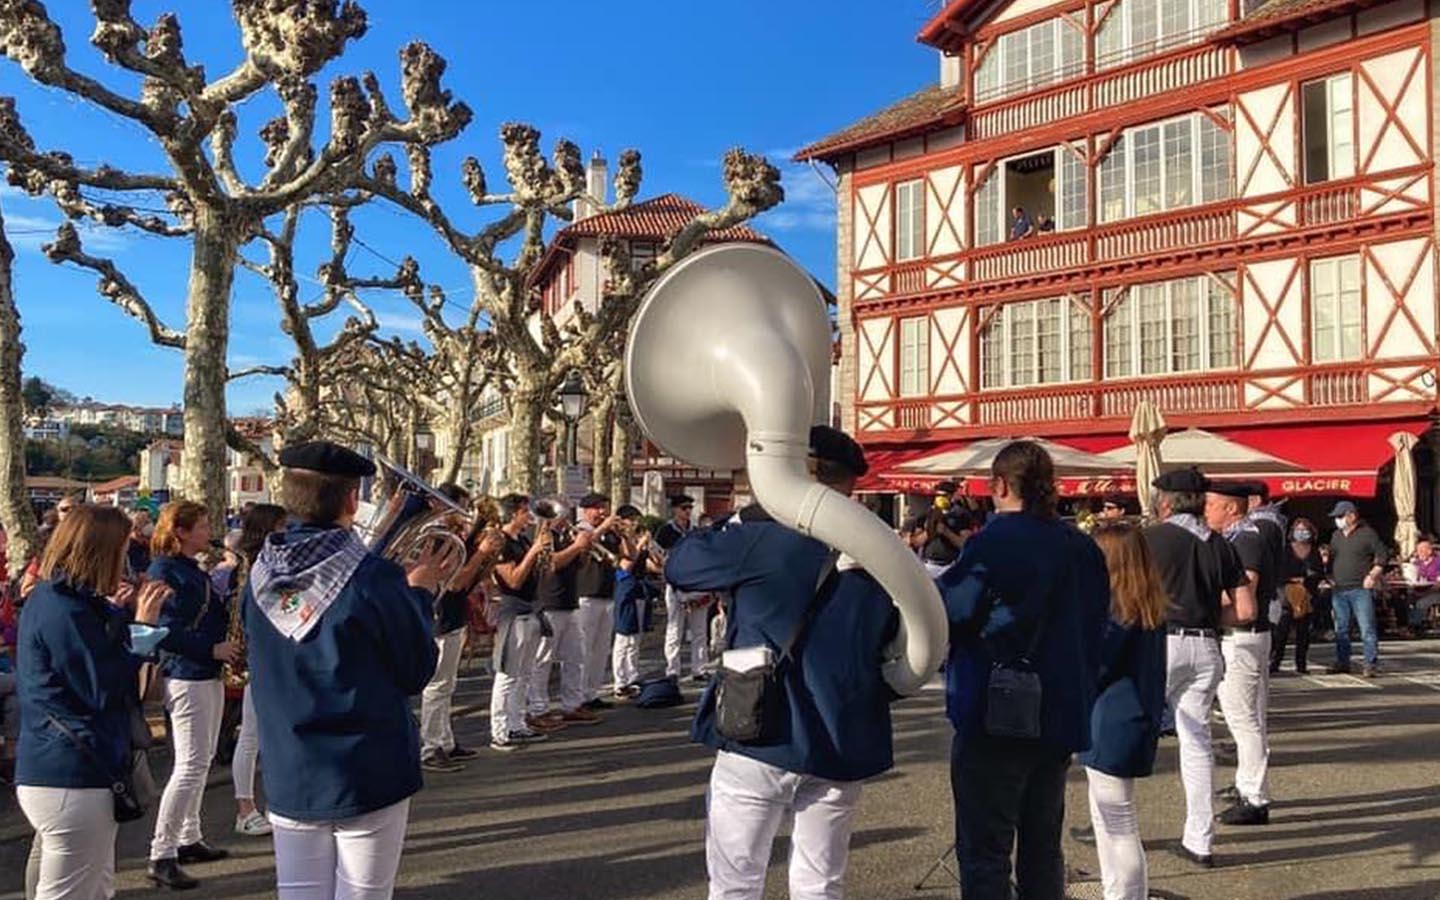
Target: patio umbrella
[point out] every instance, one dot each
(1214, 455)
(1405, 536)
(974, 461)
(1147, 430)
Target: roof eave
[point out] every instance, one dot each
(1243, 32)
(943, 32)
(824, 151)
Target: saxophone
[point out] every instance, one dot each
(237, 675)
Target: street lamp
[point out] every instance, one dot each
(572, 407)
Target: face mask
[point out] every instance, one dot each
(1340, 523)
(1302, 534)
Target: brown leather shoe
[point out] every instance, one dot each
(581, 716)
(544, 724)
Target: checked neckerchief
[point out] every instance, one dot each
(294, 582)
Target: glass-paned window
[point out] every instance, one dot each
(1145, 170)
(988, 214)
(1016, 49)
(1153, 331)
(992, 351)
(1144, 22)
(1119, 332)
(1022, 343)
(1032, 57)
(1036, 342)
(1174, 20)
(1049, 346)
(1220, 297)
(914, 356)
(1183, 325)
(1328, 128)
(1179, 164)
(1335, 309)
(1081, 341)
(909, 220)
(1074, 193)
(1112, 175)
(1042, 53)
(1215, 177)
(987, 74)
(1110, 39)
(1072, 49)
(1139, 28)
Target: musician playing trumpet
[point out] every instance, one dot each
(558, 600)
(339, 641)
(595, 584)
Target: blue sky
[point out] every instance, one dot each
(681, 82)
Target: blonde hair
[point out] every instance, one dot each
(88, 548)
(173, 517)
(1137, 596)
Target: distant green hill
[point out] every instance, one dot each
(91, 453)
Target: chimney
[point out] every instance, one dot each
(597, 173)
(951, 70)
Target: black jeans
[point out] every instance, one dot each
(1282, 634)
(1009, 796)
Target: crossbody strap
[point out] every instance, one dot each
(824, 589)
(85, 749)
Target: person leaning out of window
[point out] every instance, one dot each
(198, 620)
(76, 684)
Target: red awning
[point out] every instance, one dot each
(885, 459)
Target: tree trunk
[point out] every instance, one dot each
(622, 456)
(459, 432)
(602, 420)
(207, 338)
(527, 417)
(16, 514)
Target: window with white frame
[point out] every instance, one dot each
(915, 356)
(1036, 342)
(909, 220)
(990, 209)
(1050, 185)
(1183, 325)
(642, 252)
(1335, 309)
(1030, 58)
(1328, 128)
(1134, 29)
(1165, 165)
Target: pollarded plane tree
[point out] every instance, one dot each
(199, 193)
(503, 254)
(16, 515)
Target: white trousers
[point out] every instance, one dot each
(1117, 836)
(1193, 673)
(596, 620)
(679, 620)
(247, 750)
(75, 838)
(748, 800)
(195, 711)
(507, 695)
(435, 731)
(1245, 701)
(563, 646)
(626, 659)
(347, 859)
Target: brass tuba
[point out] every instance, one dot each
(416, 519)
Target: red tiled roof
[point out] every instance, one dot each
(918, 113)
(54, 482)
(654, 220)
(116, 484)
(1276, 16)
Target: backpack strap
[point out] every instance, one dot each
(824, 589)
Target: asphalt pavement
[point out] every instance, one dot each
(617, 810)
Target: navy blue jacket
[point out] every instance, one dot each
(633, 596)
(1125, 726)
(1024, 566)
(333, 708)
(73, 663)
(837, 717)
(195, 628)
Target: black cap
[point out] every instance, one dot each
(594, 499)
(834, 445)
(1114, 500)
(946, 488)
(326, 458)
(681, 500)
(1188, 481)
(628, 511)
(1258, 489)
(1238, 489)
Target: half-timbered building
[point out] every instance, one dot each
(1225, 207)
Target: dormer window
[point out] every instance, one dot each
(1030, 58)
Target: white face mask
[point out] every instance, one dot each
(1340, 523)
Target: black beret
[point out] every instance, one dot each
(1258, 489)
(1189, 481)
(628, 512)
(836, 446)
(327, 459)
(946, 488)
(681, 500)
(1238, 489)
(594, 499)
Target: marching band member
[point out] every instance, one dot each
(558, 603)
(684, 610)
(595, 583)
(198, 619)
(517, 634)
(339, 640)
(632, 605)
(830, 718)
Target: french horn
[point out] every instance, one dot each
(418, 520)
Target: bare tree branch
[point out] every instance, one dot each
(113, 285)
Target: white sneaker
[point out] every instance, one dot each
(253, 825)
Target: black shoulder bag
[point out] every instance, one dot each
(128, 807)
(749, 705)
(1013, 697)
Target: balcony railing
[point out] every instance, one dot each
(1327, 205)
(1339, 388)
(1189, 228)
(1042, 253)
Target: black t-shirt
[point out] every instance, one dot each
(1195, 573)
(596, 576)
(1353, 555)
(1278, 543)
(556, 588)
(669, 534)
(452, 611)
(519, 599)
(1255, 555)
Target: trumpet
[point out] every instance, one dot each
(416, 522)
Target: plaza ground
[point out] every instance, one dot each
(616, 810)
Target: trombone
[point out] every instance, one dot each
(416, 521)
